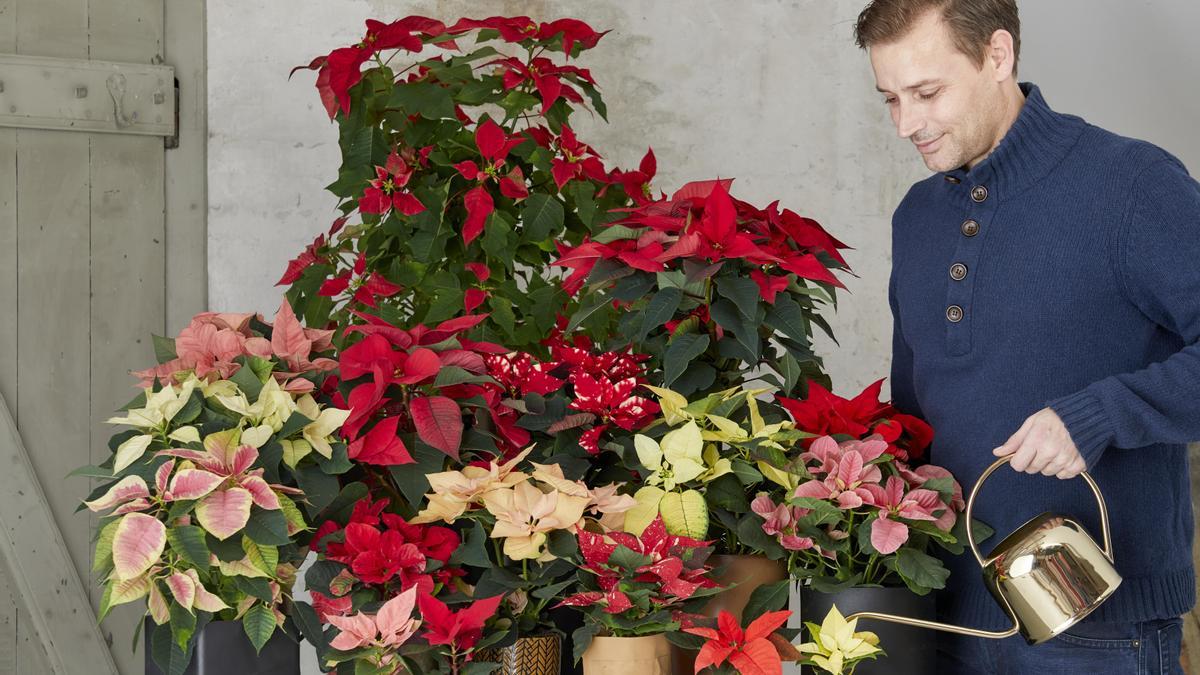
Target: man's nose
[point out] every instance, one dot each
(908, 122)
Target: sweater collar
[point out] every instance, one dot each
(1036, 143)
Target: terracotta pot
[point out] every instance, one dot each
(535, 655)
(648, 655)
(748, 572)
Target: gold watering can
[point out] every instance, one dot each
(1047, 575)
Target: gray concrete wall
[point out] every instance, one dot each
(771, 92)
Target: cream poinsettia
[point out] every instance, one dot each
(678, 458)
(153, 419)
(526, 514)
(836, 645)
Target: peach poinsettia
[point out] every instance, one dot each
(895, 501)
(382, 632)
(209, 346)
(455, 491)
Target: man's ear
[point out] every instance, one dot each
(1000, 55)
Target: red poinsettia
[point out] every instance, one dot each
(493, 145)
(751, 652)
(459, 630)
(366, 287)
(612, 402)
(519, 29)
(573, 158)
(380, 547)
(546, 77)
(519, 375)
(825, 414)
(388, 191)
(637, 183)
(394, 373)
(341, 69)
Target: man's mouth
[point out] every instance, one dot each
(929, 146)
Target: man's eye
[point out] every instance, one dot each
(925, 96)
(889, 100)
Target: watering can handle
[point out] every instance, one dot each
(995, 465)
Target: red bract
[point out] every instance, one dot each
(637, 183)
(366, 287)
(546, 77)
(674, 572)
(824, 413)
(397, 371)
(519, 29)
(382, 547)
(341, 69)
(308, 258)
(751, 651)
(493, 146)
(519, 375)
(387, 190)
(575, 160)
(458, 630)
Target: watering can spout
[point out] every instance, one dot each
(1047, 575)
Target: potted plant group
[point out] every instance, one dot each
(205, 516)
(532, 404)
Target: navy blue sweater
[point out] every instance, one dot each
(1063, 271)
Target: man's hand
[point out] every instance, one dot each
(1043, 445)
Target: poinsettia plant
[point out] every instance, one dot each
(712, 286)
(836, 646)
(460, 171)
(205, 517)
(632, 586)
(854, 510)
(758, 648)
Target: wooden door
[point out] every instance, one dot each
(83, 285)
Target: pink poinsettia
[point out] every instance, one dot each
(846, 473)
(888, 533)
(387, 629)
(780, 522)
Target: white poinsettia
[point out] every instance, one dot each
(677, 459)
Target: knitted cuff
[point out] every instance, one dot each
(1085, 420)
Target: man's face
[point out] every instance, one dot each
(939, 98)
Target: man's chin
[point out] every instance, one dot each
(936, 162)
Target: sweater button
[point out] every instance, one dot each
(979, 193)
(954, 313)
(958, 271)
(970, 228)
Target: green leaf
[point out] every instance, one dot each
(259, 623)
(473, 552)
(452, 375)
(767, 598)
(428, 241)
(170, 658)
(583, 192)
(594, 302)
(659, 310)
(412, 478)
(188, 542)
(426, 99)
(787, 317)
(310, 626)
(247, 381)
(742, 292)
(562, 544)
(791, 372)
(102, 562)
(319, 489)
(581, 639)
(727, 492)
(268, 528)
(265, 558)
(680, 352)
(541, 216)
(920, 571)
(257, 587)
(164, 349)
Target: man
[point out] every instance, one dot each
(1045, 292)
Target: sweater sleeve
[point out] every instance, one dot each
(1157, 257)
(904, 396)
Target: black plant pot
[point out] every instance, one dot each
(222, 648)
(910, 650)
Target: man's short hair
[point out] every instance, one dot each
(971, 23)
